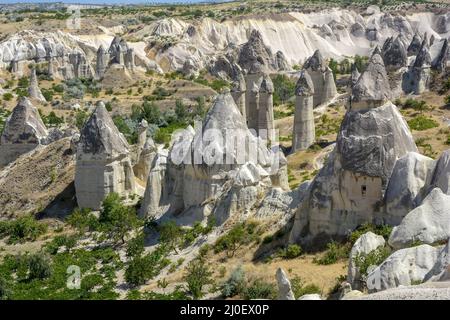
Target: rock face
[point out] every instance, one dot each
(103, 164)
(354, 76)
(322, 79)
(102, 61)
(440, 62)
(255, 54)
(408, 186)
(23, 132)
(394, 54)
(365, 244)
(120, 53)
(281, 63)
(79, 66)
(441, 175)
(304, 130)
(428, 223)
(33, 90)
(417, 79)
(407, 266)
(372, 88)
(348, 190)
(414, 46)
(212, 171)
(265, 112)
(284, 286)
(238, 92)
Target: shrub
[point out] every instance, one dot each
(382, 230)
(284, 89)
(39, 266)
(291, 252)
(421, 123)
(334, 253)
(141, 269)
(197, 275)
(260, 289)
(416, 105)
(299, 288)
(374, 258)
(7, 96)
(135, 246)
(171, 234)
(83, 220)
(25, 228)
(235, 284)
(5, 291)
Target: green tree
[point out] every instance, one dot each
(180, 111)
(39, 266)
(197, 276)
(116, 218)
(171, 234)
(284, 89)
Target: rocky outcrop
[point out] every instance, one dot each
(417, 79)
(322, 79)
(238, 91)
(408, 186)
(348, 190)
(80, 68)
(103, 163)
(440, 62)
(354, 76)
(428, 223)
(365, 244)
(265, 113)
(23, 132)
(255, 54)
(33, 90)
(217, 170)
(394, 54)
(408, 266)
(304, 130)
(284, 286)
(414, 46)
(441, 174)
(372, 88)
(281, 63)
(102, 61)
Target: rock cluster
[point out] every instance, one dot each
(103, 162)
(23, 132)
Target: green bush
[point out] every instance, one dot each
(300, 288)
(241, 234)
(292, 251)
(284, 89)
(24, 228)
(260, 289)
(170, 234)
(5, 290)
(135, 246)
(415, 104)
(140, 269)
(83, 220)
(197, 276)
(382, 230)
(235, 284)
(421, 123)
(7, 96)
(39, 266)
(334, 252)
(374, 258)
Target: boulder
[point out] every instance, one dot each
(428, 223)
(103, 163)
(365, 244)
(284, 286)
(409, 266)
(408, 185)
(23, 132)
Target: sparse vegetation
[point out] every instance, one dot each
(421, 123)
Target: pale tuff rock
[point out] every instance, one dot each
(441, 175)
(304, 129)
(348, 190)
(102, 61)
(394, 53)
(417, 79)
(103, 164)
(372, 88)
(222, 188)
(365, 244)
(265, 112)
(408, 185)
(146, 156)
(408, 266)
(322, 79)
(120, 53)
(428, 223)
(23, 132)
(284, 286)
(425, 291)
(440, 62)
(79, 65)
(311, 296)
(238, 91)
(33, 90)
